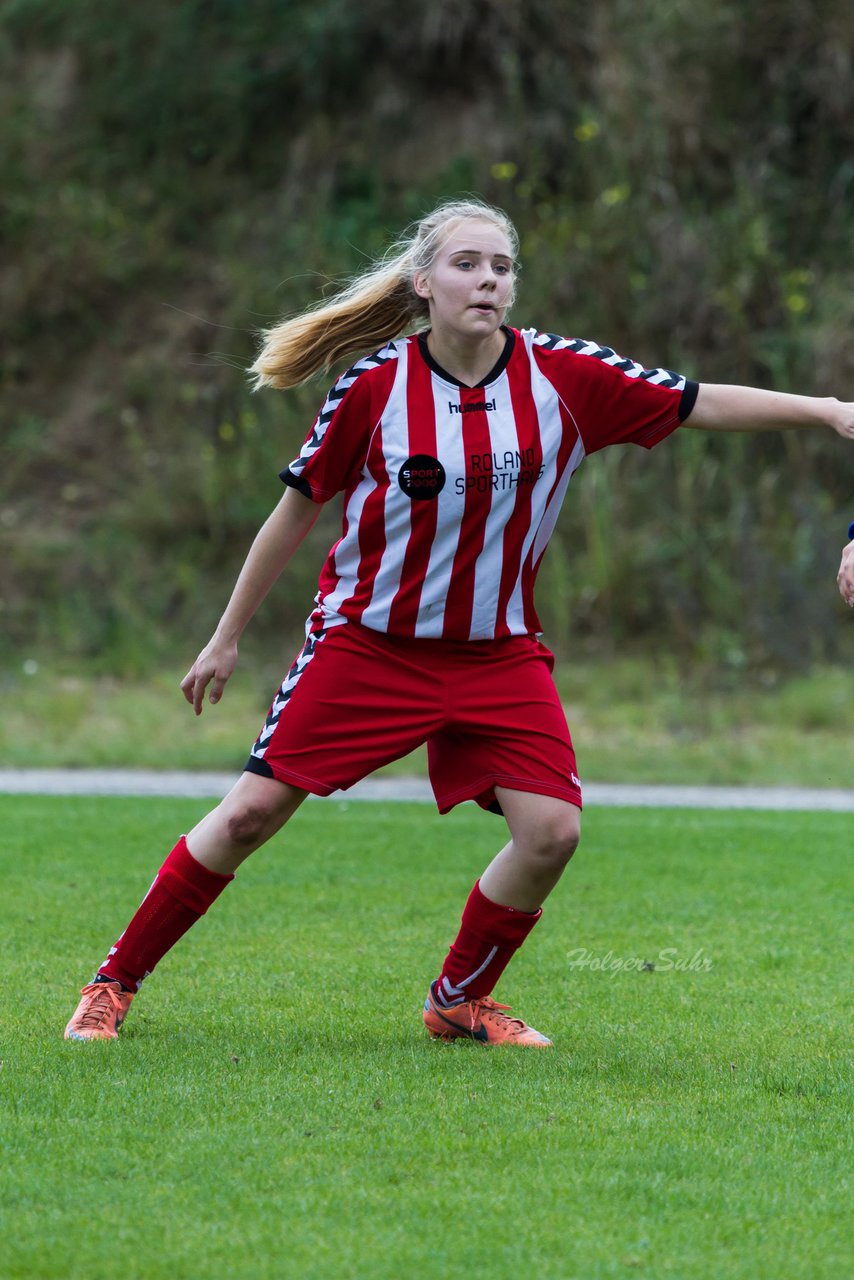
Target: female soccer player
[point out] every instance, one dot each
(453, 448)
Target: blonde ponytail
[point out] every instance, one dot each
(378, 305)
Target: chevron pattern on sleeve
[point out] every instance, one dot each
(631, 368)
(334, 398)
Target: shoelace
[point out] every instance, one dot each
(99, 1006)
(488, 1005)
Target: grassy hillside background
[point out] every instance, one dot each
(177, 176)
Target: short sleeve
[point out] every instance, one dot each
(613, 400)
(334, 451)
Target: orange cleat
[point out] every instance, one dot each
(100, 1013)
(482, 1020)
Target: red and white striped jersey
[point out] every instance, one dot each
(451, 493)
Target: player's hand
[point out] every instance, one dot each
(215, 663)
(845, 577)
(843, 419)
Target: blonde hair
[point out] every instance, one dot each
(376, 306)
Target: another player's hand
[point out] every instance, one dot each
(215, 663)
(843, 420)
(845, 577)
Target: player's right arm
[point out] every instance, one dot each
(275, 544)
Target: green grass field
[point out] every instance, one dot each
(630, 721)
(275, 1109)
(634, 722)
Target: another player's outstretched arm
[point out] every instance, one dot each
(729, 408)
(275, 544)
(845, 577)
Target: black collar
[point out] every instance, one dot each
(495, 371)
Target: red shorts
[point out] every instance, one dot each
(356, 699)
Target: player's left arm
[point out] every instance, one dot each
(719, 407)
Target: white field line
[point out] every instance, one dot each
(142, 782)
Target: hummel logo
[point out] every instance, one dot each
(485, 406)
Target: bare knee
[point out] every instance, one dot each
(249, 825)
(553, 842)
(254, 810)
(250, 814)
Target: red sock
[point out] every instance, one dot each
(182, 892)
(488, 937)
